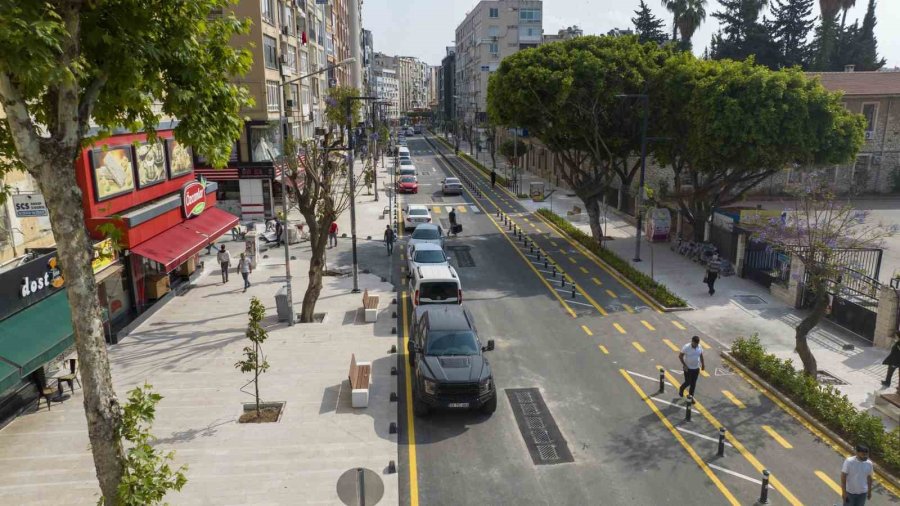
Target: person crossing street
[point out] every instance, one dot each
(452, 218)
(224, 259)
(389, 238)
(692, 361)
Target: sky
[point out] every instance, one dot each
(423, 28)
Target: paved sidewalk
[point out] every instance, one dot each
(187, 351)
(741, 307)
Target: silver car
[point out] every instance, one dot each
(426, 233)
(425, 253)
(451, 185)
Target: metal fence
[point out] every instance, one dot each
(725, 241)
(766, 265)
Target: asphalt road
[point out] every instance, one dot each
(594, 359)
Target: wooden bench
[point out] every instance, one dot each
(360, 379)
(370, 305)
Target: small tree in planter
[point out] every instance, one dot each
(254, 361)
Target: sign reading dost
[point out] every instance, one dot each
(193, 199)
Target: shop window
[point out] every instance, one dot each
(228, 190)
(264, 142)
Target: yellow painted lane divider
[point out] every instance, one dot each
(679, 325)
(572, 259)
(603, 349)
(828, 481)
(628, 308)
(587, 330)
(596, 281)
(777, 437)
(647, 324)
(619, 328)
(611, 293)
(672, 346)
(638, 347)
(410, 421)
(734, 400)
(705, 346)
(703, 466)
(582, 269)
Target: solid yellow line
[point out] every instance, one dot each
(731, 397)
(638, 347)
(628, 308)
(828, 481)
(611, 293)
(582, 269)
(709, 473)
(647, 324)
(671, 345)
(741, 449)
(679, 325)
(619, 328)
(777, 437)
(410, 421)
(587, 330)
(603, 349)
(596, 281)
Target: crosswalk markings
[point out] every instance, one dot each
(603, 349)
(462, 209)
(596, 281)
(828, 481)
(611, 293)
(679, 325)
(448, 208)
(628, 308)
(436, 210)
(737, 402)
(638, 347)
(587, 330)
(671, 345)
(647, 324)
(583, 270)
(777, 437)
(619, 328)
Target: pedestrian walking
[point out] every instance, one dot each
(692, 361)
(893, 363)
(224, 259)
(452, 218)
(856, 478)
(246, 268)
(389, 238)
(493, 177)
(713, 267)
(332, 234)
(279, 230)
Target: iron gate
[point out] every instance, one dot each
(765, 265)
(854, 301)
(725, 241)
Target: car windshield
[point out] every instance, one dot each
(443, 343)
(451, 180)
(408, 179)
(426, 233)
(418, 212)
(406, 162)
(431, 256)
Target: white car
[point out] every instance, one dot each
(415, 215)
(406, 163)
(425, 253)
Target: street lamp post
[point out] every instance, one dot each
(284, 166)
(350, 160)
(645, 101)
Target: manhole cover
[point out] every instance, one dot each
(826, 378)
(360, 486)
(543, 439)
(749, 300)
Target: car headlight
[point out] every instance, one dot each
(430, 387)
(485, 387)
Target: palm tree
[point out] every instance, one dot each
(846, 5)
(676, 7)
(690, 18)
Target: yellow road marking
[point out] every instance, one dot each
(534, 227)
(773, 480)
(603, 349)
(619, 328)
(526, 219)
(638, 347)
(402, 256)
(582, 269)
(410, 422)
(554, 244)
(709, 473)
(671, 345)
(828, 481)
(462, 209)
(704, 373)
(572, 259)
(436, 210)
(596, 281)
(587, 330)
(628, 308)
(777, 437)
(705, 346)
(679, 325)
(647, 324)
(731, 397)
(611, 293)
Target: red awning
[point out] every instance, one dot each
(172, 247)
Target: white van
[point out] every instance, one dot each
(435, 284)
(403, 152)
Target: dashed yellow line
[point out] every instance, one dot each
(828, 481)
(611, 293)
(603, 349)
(638, 347)
(526, 219)
(534, 227)
(704, 373)
(587, 330)
(777, 437)
(647, 324)
(552, 243)
(402, 256)
(619, 328)
(628, 308)
(671, 345)
(572, 259)
(679, 325)
(582, 269)
(734, 400)
(596, 281)
(705, 346)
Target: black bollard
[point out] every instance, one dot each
(687, 411)
(764, 491)
(554, 271)
(662, 380)
(563, 280)
(539, 255)
(573, 290)
(721, 452)
(545, 263)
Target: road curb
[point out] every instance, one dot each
(891, 482)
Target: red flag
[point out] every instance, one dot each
(303, 38)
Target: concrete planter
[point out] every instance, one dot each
(250, 407)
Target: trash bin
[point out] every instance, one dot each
(281, 305)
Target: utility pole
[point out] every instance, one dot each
(352, 176)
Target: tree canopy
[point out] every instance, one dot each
(648, 27)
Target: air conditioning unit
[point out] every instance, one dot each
(870, 135)
(284, 59)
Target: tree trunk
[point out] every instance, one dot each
(806, 325)
(56, 180)
(592, 206)
(316, 269)
(256, 377)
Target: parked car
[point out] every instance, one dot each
(435, 284)
(426, 233)
(425, 253)
(407, 184)
(415, 215)
(409, 171)
(450, 370)
(406, 162)
(451, 185)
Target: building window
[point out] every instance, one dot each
(529, 15)
(268, 11)
(494, 12)
(295, 99)
(290, 53)
(493, 31)
(269, 53)
(493, 48)
(870, 111)
(304, 63)
(272, 95)
(264, 142)
(287, 20)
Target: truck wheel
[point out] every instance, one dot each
(490, 406)
(420, 409)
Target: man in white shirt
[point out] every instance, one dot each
(224, 259)
(692, 361)
(856, 478)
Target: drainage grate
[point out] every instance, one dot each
(461, 256)
(545, 443)
(749, 299)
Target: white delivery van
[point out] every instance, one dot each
(435, 284)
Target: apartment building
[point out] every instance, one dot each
(431, 86)
(25, 229)
(491, 31)
(567, 33)
(447, 88)
(387, 89)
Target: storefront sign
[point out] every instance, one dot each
(29, 205)
(29, 283)
(193, 199)
(256, 172)
(104, 254)
(51, 278)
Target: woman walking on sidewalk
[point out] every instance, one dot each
(893, 363)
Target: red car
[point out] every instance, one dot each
(408, 184)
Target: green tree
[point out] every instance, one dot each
(676, 7)
(66, 66)
(148, 473)
(692, 15)
(512, 150)
(791, 23)
(866, 57)
(648, 27)
(824, 47)
(730, 125)
(742, 34)
(339, 99)
(254, 361)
